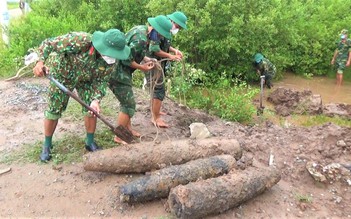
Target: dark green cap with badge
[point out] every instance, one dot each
(111, 43)
(258, 57)
(179, 18)
(162, 25)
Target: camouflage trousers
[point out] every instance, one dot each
(58, 100)
(340, 65)
(122, 88)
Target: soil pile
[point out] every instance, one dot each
(47, 190)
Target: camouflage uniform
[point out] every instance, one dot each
(121, 80)
(157, 45)
(266, 68)
(77, 66)
(343, 49)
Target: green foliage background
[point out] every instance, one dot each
(297, 35)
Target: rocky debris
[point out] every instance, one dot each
(28, 95)
(337, 109)
(331, 173)
(288, 101)
(199, 131)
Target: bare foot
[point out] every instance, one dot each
(163, 113)
(118, 140)
(135, 133)
(160, 123)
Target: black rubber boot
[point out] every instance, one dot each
(269, 84)
(45, 155)
(93, 147)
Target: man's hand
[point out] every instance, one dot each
(96, 106)
(175, 57)
(178, 53)
(38, 69)
(148, 59)
(147, 66)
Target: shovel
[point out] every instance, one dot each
(261, 107)
(120, 131)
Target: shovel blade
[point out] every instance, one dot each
(260, 111)
(124, 134)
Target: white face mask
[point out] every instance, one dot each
(174, 31)
(109, 60)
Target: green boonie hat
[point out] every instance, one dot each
(162, 25)
(179, 18)
(258, 57)
(111, 43)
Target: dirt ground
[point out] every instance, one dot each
(35, 190)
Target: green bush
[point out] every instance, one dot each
(51, 18)
(228, 98)
(222, 37)
(297, 36)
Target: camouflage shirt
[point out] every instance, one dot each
(161, 44)
(76, 62)
(157, 43)
(266, 67)
(343, 49)
(137, 40)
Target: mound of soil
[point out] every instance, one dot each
(47, 190)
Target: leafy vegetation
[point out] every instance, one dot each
(296, 35)
(221, 39)
(12, 5)
(304, 198)
(68, 149)
(321, 119)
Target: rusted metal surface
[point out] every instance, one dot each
(216, 195)
(159, 183)
(148, 156)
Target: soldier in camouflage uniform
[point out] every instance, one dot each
(264, 67)
(161, 48)
(342, 56)
(138, 39)
(83, 62)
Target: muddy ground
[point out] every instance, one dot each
(35, 190)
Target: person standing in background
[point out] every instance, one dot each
(21, 6)
(161, 48)
(265, 67)
(342, 56)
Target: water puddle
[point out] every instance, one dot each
(323, 86)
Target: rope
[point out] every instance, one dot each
(154, 81)
(18, 75)
(154, 77)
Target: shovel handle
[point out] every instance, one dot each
(71, 94)
(261, 93)
(120, 131)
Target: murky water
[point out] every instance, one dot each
(324, 86)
